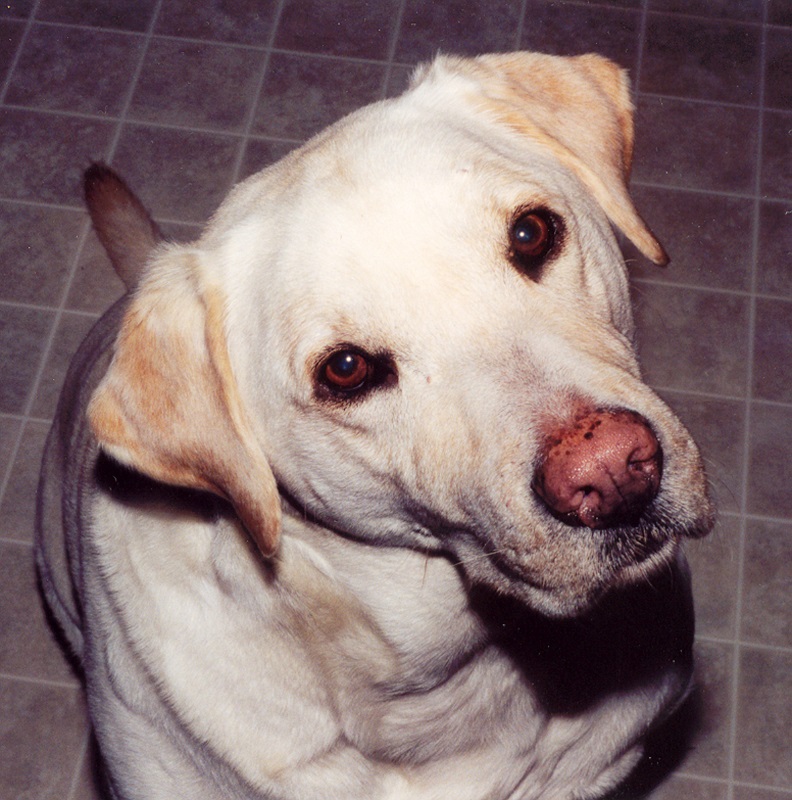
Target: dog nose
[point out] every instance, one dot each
(602, 470)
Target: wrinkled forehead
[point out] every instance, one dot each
(390, 191)
(393, 218)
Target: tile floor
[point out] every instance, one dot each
(185, 98)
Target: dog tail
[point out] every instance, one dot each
(124, 227)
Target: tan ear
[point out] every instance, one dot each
(169, 406)
(580, 109)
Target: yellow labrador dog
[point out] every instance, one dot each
(361, 496)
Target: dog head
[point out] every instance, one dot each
(416, 329)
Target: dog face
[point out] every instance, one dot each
(416, 329)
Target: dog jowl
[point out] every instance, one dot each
(363, 493)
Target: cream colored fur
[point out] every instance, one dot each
(364, 599)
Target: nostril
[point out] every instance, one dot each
(601, 470)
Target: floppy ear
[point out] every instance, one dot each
(580, 109)
(169, 406)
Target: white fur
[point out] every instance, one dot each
(353, 663)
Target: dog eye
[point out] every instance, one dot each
(346, 371)
(533, 234)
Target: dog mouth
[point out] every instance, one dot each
(575, 567)
(630, 545)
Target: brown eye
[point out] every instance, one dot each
(532, 237)
(345, 371)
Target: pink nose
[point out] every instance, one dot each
(601, 471)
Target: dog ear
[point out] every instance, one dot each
(580, 109)
(169, 405)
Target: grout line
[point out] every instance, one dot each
(701, 101)
(704, 395)
(518, 34)
(7, 676)
(45, 204)
(766, 518)
(20, 418)
(50, 308)
(724, 782)
(14, 451)
(81, 763)
(28, 24)
(714, 192)
(693, 287)
(698, 287)
(5, 477)
(247, 128)
(288, 51)
(641, 47)
(392, 47)
(132, 121)
(746, 643)
(676, 14)
(124, 113)
(19, 542)
(736, 657)
(16, 543)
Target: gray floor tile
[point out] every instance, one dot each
(750, 793)
(95, 286)
(101, 13)
(778, 77)
(18, 506)
(764, 747)
(37, 249)
(718, 427)
(771, 440)
(42, 737)
(23, 337)
(344, 28)
(10, 36)
(182, 175)
(714, 562)
(705, 236)
(238, 21)
(260, 153)
(301, 95)
(690, 789)
(692, 339)
(776, 146)
(772, 375)
(71, 330)
(467, 27)
(775, 245)
(747, 10)
(571, 29)
(703, 59)
(709, 751)
(17, 9)
(65, 69)
(779, 12)
(202, 100)
(10, 428)
(43, 155)
(27, 646)
(695, 145)
(767, 591)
